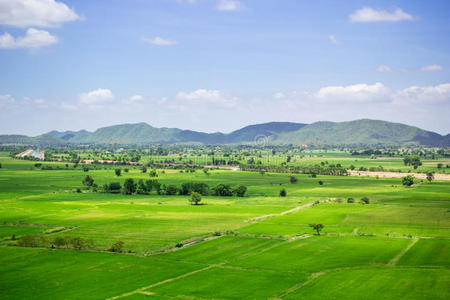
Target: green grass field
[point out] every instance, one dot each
(254, 247)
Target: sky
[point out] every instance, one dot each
(219, 65)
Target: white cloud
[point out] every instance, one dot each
(6, 100)
(33, 39)
(229, 5)
(431, 68)
(208, 96)
(159, 41)
(368, 14)
(186, 1)
(279, 95)
(134, 99)
(96, 97)
(39, 13)
(424, 95)
(384, 68)
(353, 93)
(333, 39)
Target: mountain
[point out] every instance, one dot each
(359, 132)
(365, 131)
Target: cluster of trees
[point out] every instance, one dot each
(145, 187)
(317, 169)
(66, 242)
(412, 160)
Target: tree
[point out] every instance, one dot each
(317, 227)
(171, 190)
(365, 200)
(222, 190)
(144, 169)
(118, 172)
(439, 166)
(430, 176)
(153, 173)
(350, 200)
(293, 179)
(113, 187)
(116, 247)
(408, 180)
(283, 193)
(195, 198)
(0, 166)
(240, 191)
(129, 187)
(88, 181)
(320, 182)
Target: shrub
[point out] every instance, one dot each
(350, 200)
(320, 182)
(117, 247)
(365, 200)
(118, 172)
(114, 187)
(293, 179)
(283, 193)
(88, 181)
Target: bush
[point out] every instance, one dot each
(118, 172)
(365, 200)
(283, 193)
(350, 200)
(320, 182)
(113, 187)
(116, 247)
(88, 181)
(293, 179)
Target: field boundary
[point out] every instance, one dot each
(287, 212)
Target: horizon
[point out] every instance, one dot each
(220, 65)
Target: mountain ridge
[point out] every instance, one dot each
(356, 132)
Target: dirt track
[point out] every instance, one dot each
(397, 175)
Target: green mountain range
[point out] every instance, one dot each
(359, 132)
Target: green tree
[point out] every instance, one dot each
(129, 187)
(240, 191)
(430, 176)
(408, 180)
(317, 227)
(88, 181)
(118, 172)
(283, 193)
(195, 198)
(293, 179)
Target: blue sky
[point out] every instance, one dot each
(217, 65)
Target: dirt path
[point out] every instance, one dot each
(287, 212)
(394, 261)
(142, 289)
(397, 175)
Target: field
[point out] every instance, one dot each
(255, 247)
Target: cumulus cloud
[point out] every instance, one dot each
(332, 39)
(208, 97)
(368, 14)
(96, 97)
(38, 13)
(353, 93)
(384, 68)
(424, 95)
(33, 39)
(159, 41)
(431, 68)
(229, 5)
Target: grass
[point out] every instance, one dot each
(278, 255)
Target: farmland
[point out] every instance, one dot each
(254, 247)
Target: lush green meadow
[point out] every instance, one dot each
(255, 247)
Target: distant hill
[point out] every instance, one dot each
(359, 132)
(365, 131)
